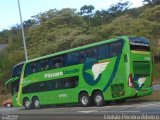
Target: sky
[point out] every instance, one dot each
(9, 14)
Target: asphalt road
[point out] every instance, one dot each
(131, 109)
(69, 112)
(156, 87)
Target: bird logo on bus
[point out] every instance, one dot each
(92, 71)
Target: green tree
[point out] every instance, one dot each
(87, 12)
(152, 2)
(119, 7)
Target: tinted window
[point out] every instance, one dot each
(15, 87)
(139, 43)
(115, 48)
(92, 53)
(56, 62)
(64, 83)
(17, 71)
(83, 56)
(103, 52)
(88, 54)
(72, 58)
(69, 82)
(43, 65)
(31, 68)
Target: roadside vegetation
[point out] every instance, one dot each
(58, 30)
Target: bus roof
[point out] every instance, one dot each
(21, 63)
(77, 48)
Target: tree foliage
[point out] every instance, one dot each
(58, 30)
(152, 2)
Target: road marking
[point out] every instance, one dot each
(136, 105)
(88, 111)
(146, 105)
(123, 111)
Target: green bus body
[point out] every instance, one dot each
(121, 70)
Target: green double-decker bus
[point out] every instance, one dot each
(113, 69)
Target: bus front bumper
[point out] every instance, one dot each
(144, 92)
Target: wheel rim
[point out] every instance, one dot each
(36, 103)
(98, 99)
(8, 105)
(84, 100)
(27, 104)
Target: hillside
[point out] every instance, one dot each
(58, 30)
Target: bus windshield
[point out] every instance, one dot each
(139, 44)
(15, 86)
(17, 71)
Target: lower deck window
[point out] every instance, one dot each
(64, 83)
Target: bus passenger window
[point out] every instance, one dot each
(103, 52)
(57, 62)
(88, 54)
(83, 56)
(33, 67)
(55, 85)
(30, 68)
(72, 58)
(67, 84)
(115, 48)
(44, 65)
(92, 53)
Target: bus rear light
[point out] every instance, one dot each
(130, 81)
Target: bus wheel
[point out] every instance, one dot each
(27, 104)
(8, 105)
(36, 103)
(85, 99)
(98, 99)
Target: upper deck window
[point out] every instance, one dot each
(115, 48)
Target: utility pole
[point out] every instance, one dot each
(24, 40)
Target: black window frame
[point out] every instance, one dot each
(38, 66)
(54, 58)
(79, 52)
(42, 66)
(67, 58)
(86, 51)
(105, 54)
(139, 44)
(15, 86)
(35, 87)
(119, 51)
(19, 67)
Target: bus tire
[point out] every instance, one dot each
(36, 102)
(98, 99)
(8, 105)
(85, 99)
(27, 103)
